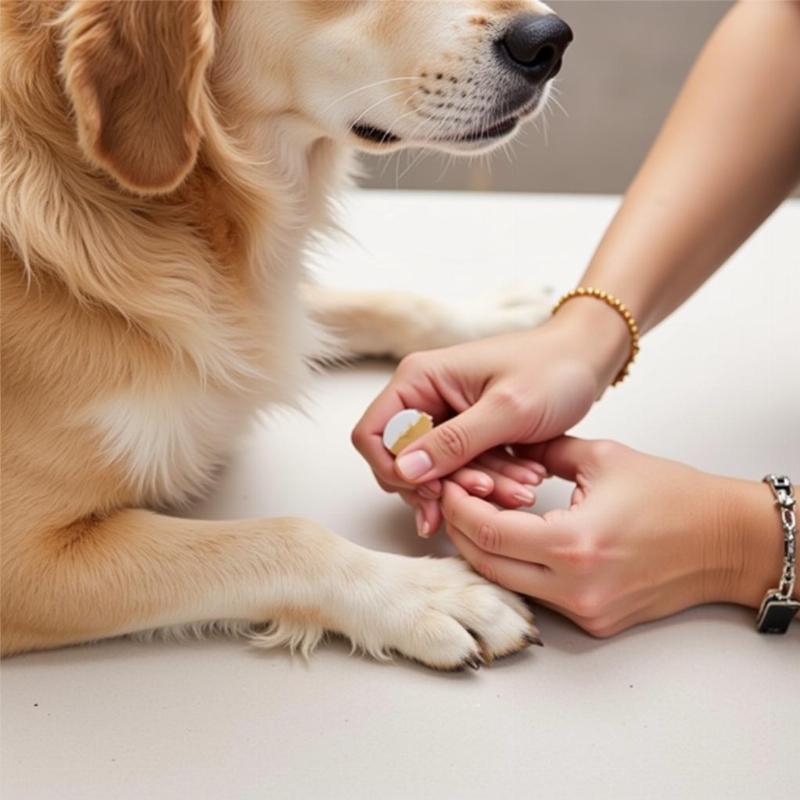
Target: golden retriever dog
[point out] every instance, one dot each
(165, 165)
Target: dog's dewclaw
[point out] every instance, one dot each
(405, 427)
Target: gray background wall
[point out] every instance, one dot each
(620, 76)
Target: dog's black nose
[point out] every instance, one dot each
(535, 44)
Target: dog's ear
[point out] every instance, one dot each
(136, 75)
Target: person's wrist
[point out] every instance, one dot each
(599, 335)
(754, 524)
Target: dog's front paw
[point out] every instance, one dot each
(442, 614)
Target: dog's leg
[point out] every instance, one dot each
(398, 323)
(137, 570)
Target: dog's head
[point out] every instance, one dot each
(458, 75)
(453, 74)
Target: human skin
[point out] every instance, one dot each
(726, 157)
(644, 537)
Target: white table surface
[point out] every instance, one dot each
(697, 706)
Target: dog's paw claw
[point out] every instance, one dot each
(473, 663)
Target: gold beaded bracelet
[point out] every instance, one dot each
(619, 307)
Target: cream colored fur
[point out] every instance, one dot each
(165, 165)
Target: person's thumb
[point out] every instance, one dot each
(453, 444)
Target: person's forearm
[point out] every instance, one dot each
(727, 155)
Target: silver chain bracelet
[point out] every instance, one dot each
(778, 609)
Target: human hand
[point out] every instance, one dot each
(644, 538)
(519, 388)
(496, 476)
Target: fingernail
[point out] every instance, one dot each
(482, 487)
(524, 497)
(412, 465)
(541, 469)
(423, 527)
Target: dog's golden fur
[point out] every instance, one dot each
(155, 210)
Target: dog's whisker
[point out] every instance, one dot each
(364, 89)
(555, 101)
(420, 155)
(410, 137)
(375, 105)
(448, 161)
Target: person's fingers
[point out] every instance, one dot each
(485, 482)
(431, 518)
(481, 481)
(523, 577)
(367, 436)
(518, 458)
(564, 456)
(410, 497)
(425, 518)
(520, 470)
(387, 487)
(514, 534)
(380, 460)
(432, 490)
(510, 493)
(428, 491)
(474, 481)
(452, 444)
(427, 513)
